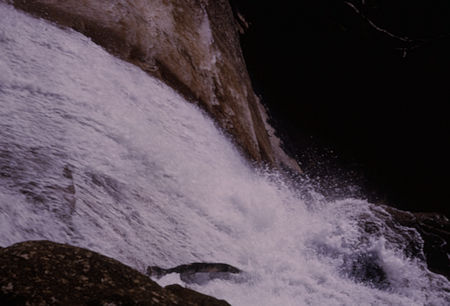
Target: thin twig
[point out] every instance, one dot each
(411, 44)
(376, 27)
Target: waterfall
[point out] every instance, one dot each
(96, 153)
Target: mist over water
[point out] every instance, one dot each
(95, 153)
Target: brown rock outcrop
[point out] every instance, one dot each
(191, 45)
(48, 273)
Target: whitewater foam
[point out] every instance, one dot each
(95, 153)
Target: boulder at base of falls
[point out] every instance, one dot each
(194, 296)
(435, 232)
(44, 272)
(198, 272)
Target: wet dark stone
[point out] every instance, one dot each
(48, 273)
(67, 172)
(194, 296)
(365, 268)
(435, 231)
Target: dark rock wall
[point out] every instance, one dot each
(435, 232)
(191, 45)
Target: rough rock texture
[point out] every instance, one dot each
(194, 296)
(191, 45)
(435, 232)
(43, 272)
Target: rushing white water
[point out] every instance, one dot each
(95, 153)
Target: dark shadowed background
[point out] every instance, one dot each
(353, 103)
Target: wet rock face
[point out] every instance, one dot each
(191, 45)
(198, 273)
(435, 232)
(365, 268)
(43, 272)
(194, 296)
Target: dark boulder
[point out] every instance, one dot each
(366, 268)
(435, 232)
(198, 272)
(194, 296)
(48, 273)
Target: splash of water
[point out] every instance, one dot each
(95, 153)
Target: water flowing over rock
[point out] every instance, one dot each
(435, 232)
(96, 153)
(48, 273)
(191, 45)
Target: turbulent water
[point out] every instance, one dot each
(95, 153)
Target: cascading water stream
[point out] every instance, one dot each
(95, 153)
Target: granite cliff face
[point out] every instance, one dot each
(191, 45)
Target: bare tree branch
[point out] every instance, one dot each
(376, 27)
(411, 44)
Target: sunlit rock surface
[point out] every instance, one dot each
(191, 45)
(48, 273)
